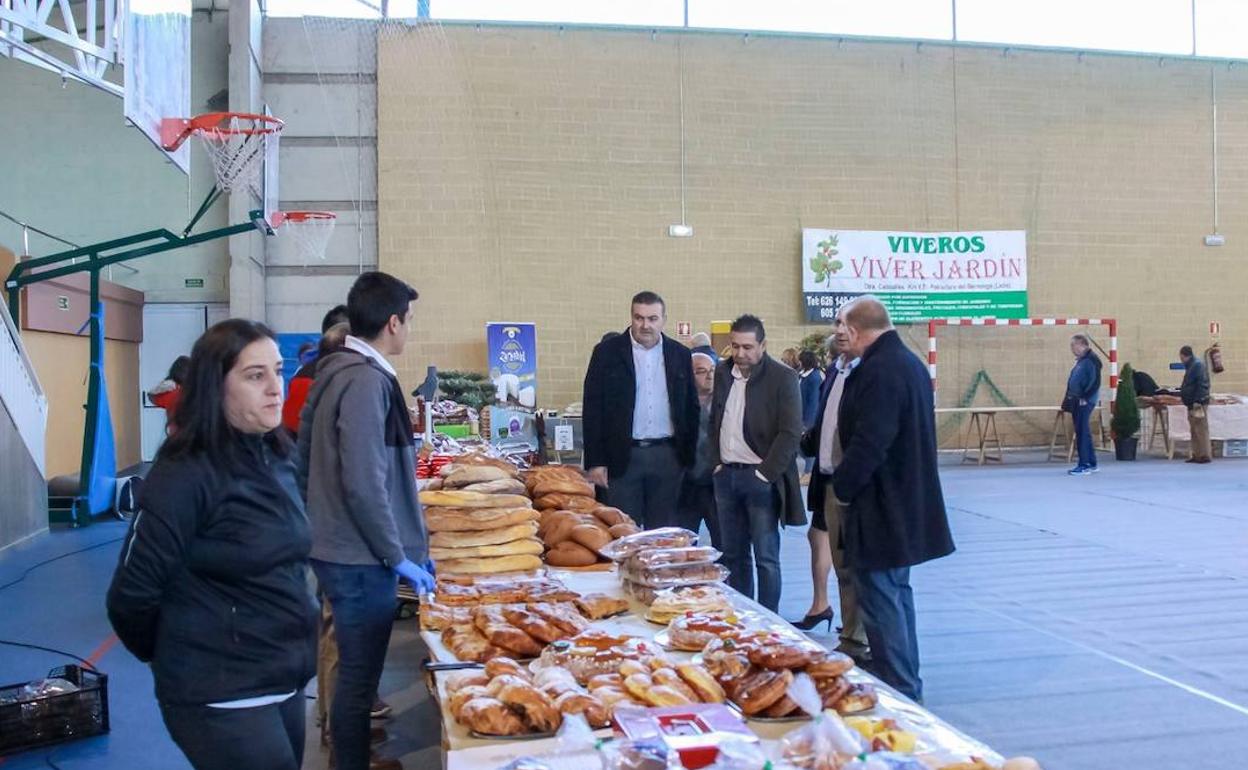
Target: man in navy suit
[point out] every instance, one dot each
(640, 418)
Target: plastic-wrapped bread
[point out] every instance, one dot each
(664, 537)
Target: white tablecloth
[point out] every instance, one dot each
(1226, 421)
(464, 752)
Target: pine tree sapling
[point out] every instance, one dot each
(1126, 420)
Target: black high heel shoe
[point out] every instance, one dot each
(810, 621)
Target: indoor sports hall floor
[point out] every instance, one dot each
(1092, 622)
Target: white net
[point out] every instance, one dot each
(237, 148)
(309, 234)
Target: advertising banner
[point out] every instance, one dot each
(973, 274)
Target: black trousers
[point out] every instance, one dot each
(697, 504)
(650, 490)
(260, 738)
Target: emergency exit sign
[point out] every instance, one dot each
(194, 283)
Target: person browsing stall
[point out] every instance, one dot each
(640, 418)
(211, 587)
(756, 425)
(357, 472)
(888, 487)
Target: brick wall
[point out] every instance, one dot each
(531, 174)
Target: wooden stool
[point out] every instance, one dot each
(984, 425)
(1161, 425)
(1068, 439)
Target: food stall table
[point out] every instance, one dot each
(463, 751)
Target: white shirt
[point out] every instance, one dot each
(251, 703)
(732, 446)
(360, 346)
(829, 437)
(652, 411)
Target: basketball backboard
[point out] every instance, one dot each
(157, 62)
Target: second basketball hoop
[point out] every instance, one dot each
(309, 231)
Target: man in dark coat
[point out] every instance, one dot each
(756, 424)
(640, 419)
(1195, 394)
(888, 482)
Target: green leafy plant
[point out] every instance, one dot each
(817, 343)
(1126, 419)
(824, 264)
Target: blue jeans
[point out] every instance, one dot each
(1083, 434)
(363, 600)
(887, 606)
(748, 517)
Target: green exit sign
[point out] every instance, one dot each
(194, 283)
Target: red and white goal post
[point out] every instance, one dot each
(1112, 323)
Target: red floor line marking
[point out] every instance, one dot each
(104, 647)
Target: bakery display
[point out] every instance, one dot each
(752, 665)
(481, 532)
(666, 604)
(692, 631)
(506, 700)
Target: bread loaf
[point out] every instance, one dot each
(497, 487)
(463, 475)
(483, 564)
(557, 485)
(623, 530)
(560, 529)
(565, 502)
(611, 516)
(570, 554)
(459, 499)
(528, 545)
(590, 536)
(465, 538)
(475, 519)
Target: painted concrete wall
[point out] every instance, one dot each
(74, 168)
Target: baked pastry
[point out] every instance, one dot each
(784, 707)
(463, 679)
(832, 690)
(611, 516)
(570, 554)
(535, 708)
(595, 712)
(533, 624)
(555, 485)
(566, 502)
(476, 565)
(435, 616)
(590, 653)
(599, 606)
(489, 716)
(462, 475)
(439, 519)
(455, 595)
(455, 703)
(551, 591)
(562, 616)
(603, 680)
(664, 537)
(761, 690)
(701, 682)
(477, 458)
(677, 601)
(546, 472)
(497, 487)
(466, 642)
(830, 664)
(529, 545)
(491, 623)
(591, 536)
(623, 530)
(670, 575)
(466, 538)
(693, 630)
(668, 677)
(861, 697)
(500, 666)
(445, 498)
(779, 655)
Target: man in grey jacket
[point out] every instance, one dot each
(358, 474)
(1195, 394)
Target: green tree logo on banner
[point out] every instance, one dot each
(824, 263)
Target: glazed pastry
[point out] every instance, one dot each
(533, 624)
(669, 678)
(861, 697)
(762, 690)
(502, 665)
(457, 682)
(562, 616)
(489, 716)
(535, 708)
(579, 703)
(702, 683)
(456, 703)
(830, 665)
(598, 606)
(782, 655)
(784, 707)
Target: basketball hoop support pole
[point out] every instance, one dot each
(98, 474)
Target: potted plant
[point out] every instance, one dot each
(1126, 420)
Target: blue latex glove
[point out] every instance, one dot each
(430, 567)
(418, 577)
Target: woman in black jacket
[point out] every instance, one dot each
(211, 587)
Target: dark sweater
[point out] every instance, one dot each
(212, 584)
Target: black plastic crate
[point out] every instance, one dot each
(54, 718)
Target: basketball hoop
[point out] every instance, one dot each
(235, 141)
(308, 230)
